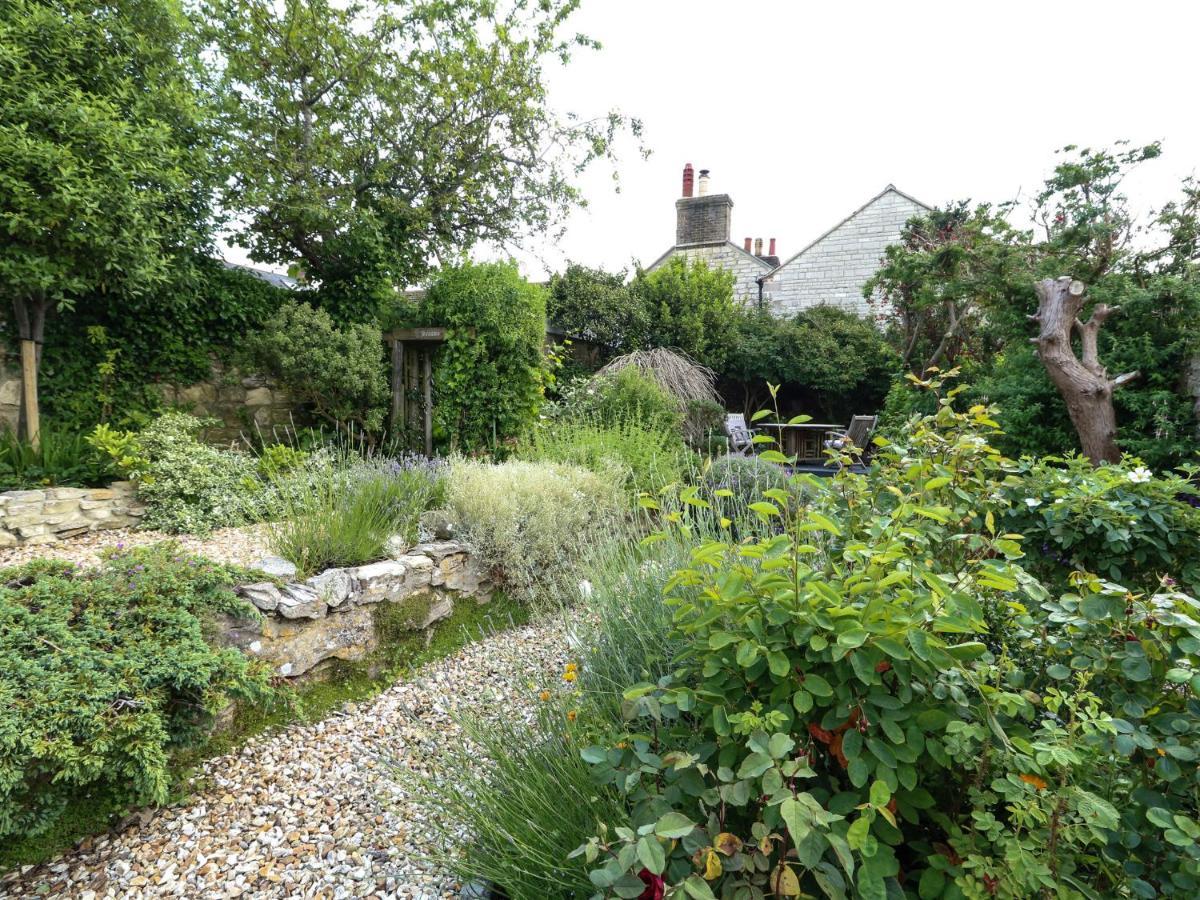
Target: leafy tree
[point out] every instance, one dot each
(489, 373)
(336, 371)
(368, 138)
(103, 157)
(690, 307)
(962, 283)
(824, 359)
(597, 306)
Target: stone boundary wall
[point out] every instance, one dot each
(335, 615)
(240, 403)
(48, 515)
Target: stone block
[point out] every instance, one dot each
(263, 594)
(10, 391)
(65, 493)
(420, 571)
(259, 396)
(98, 495)
(60, 507)
(200, 395)
(380, 581)
(99, 513)
(334, 586)
(32, 530)
(299, 601)
(25, 496)
(275, 566)
(8, 539)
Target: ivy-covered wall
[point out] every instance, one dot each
(121, 359)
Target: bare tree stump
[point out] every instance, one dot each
(1082, 380)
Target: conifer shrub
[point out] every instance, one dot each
(104, 673)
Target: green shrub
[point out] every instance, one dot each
(490, 371)
(189, 486)
(531, 521)
(344, 513)
(878, 699)
(746, 478)
(337, 372)
(102, 673)
(62, 459)
(637, 458)
(629, 396)
(1121, 522)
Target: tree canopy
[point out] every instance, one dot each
(368, 139)
(104, 171)
(961, 282)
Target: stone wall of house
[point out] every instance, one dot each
(833, 269)
(337, 614)
(240, 403)
(45, 516)
(746, 267)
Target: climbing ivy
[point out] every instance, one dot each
(490, 372)
(172, 335)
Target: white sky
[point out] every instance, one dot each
(804, 110)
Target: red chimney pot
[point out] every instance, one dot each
(688, 180)
(747, 245)
(771, 252)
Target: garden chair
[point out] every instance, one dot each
(855, 438)
(741, 435)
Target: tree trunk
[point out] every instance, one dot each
(1082, 381)
(31, 327)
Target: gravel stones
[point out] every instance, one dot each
(316, 810)
(237, 546)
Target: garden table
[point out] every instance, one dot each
(805, 442)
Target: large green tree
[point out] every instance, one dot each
(102, 157)
(961, 282)
(367, 140)
(689, 307)
(597, 306)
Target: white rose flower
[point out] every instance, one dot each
(1031, 502)
(1140, 475)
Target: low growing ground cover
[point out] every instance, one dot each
(871, 687)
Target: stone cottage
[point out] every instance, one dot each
(830, 271)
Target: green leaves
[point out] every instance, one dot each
(674, 825)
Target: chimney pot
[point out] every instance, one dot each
(688, 180)
(758, 246)
(771, 252)
(703, 182)
(747, 245)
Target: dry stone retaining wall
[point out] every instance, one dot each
(334, 615)
(45, 516)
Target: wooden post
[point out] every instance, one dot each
(428, 380)
(397, 385)
(29, 386)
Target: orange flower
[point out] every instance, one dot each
(571, 715)
(544, 696)
(1039, 783)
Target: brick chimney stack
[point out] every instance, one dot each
(758, 246)
(703, 218)
(747, 245)
(771, 252)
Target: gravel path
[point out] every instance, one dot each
(316, 810)
(238, 546)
